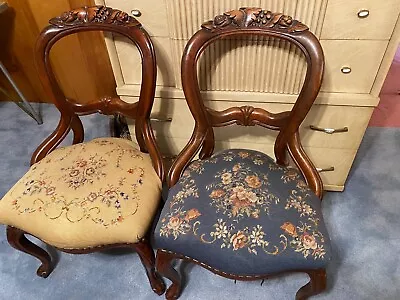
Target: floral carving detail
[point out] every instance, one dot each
(255, 17)
(247, 112)
(94, 14)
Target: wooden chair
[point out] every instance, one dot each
(239, 213)
(96, 195)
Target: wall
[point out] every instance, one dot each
(387, 113)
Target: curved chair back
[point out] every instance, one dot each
(98, 18)
(243, 22)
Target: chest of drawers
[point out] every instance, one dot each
(359, 38)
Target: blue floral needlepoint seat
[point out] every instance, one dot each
(241, 213)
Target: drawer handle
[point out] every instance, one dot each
(362, 14)
(330, 169)
(136, 13)
(346, 70)
(329, 130)
(154, 119)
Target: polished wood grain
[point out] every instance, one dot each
(243, 22)
(82, 20)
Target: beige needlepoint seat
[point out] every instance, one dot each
(97, 193)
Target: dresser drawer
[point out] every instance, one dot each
(360, 19)
(131, 63)
(351, 66)
(153, 14)
(332, 127)
(320, 117)
(224, 64)
(334, 165)
(187, 15)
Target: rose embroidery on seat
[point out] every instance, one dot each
(304, 240)
(290, 175)
(253, 239)
(179, 222)
(104, 204)
(88, 207)
(238, 240)
(84, 171)
(253, 181)
(241, 192)
(37, 186)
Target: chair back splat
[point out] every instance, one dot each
(244, 22)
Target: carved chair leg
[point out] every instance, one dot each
(16, 238)
(316, 285)
(146, 255)
(164, 267)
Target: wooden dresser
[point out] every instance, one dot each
(359, 38)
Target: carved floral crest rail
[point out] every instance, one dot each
(255, 17)
(94, 14)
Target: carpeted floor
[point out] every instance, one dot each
(363, 222)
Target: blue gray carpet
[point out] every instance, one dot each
(363, 222)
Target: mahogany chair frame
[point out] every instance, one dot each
(96, 18)
(242, 22)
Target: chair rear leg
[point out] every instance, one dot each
(164, 267)
(146, 255)
(16, 238)
(315, 286)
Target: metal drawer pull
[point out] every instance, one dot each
(346, 70)
(136, 13)
(330, 169)
(154, 119)
(329, 130)
(362, 14)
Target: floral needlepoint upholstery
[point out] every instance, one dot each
(97, 193)
(241, 213)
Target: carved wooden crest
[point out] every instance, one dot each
(247, 17)
(94, 14)
(247, 118)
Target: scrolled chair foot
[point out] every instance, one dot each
(17, 239)
(164, 267)
(146, 255)
(315, 286)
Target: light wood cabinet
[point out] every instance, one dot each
(359, 38)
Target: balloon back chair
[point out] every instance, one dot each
(240, 213)
(95, 195)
